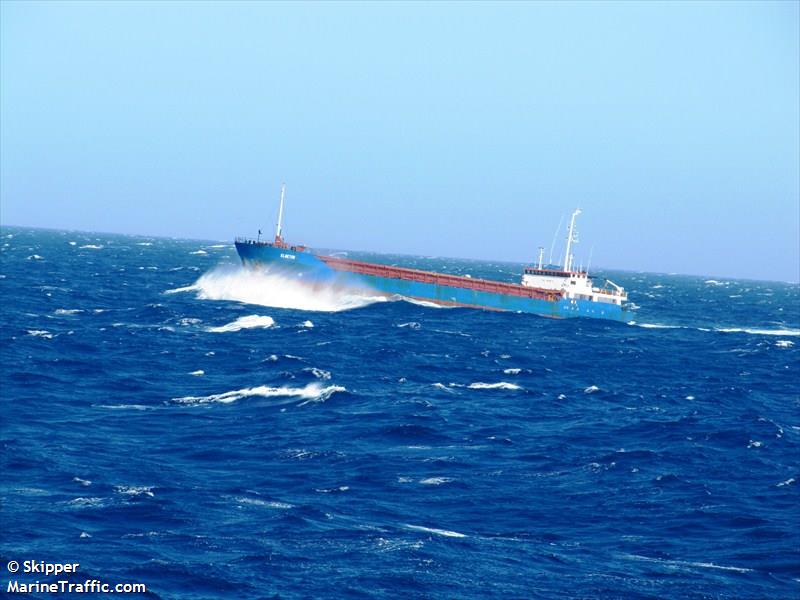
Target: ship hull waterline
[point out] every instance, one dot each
(444, 290)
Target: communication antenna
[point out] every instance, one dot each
(541, 256)
(572, 238)
(555, 235)
(278, 227)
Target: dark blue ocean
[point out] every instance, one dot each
(171, 419)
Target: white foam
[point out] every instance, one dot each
(199, 252)
(512, 371)
(43, 333)
(85, 535)
(91, 247)
(423, 303)
(88, 502)
(313, 392)
(73, 243)
(502, 385)
(318, 373)
(68, 311)
(198, 373)
(123, 406)
(248, 322)
(307, 324)
(135, 490)
(654, 325)
(218, 246)
(784, 344)
(411, 325)
(435, 480)
(83, 482)
(789, 481)
(35, 257)
(715, 282)
(442, 532)
(144, 243)
(786, 332)
(265, 503)
(591, 389)
(684, 563)
(186, 321)
(253, 286)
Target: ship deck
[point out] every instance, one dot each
(441, 279)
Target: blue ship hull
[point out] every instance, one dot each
(317, 269)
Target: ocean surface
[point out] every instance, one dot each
(172, 419)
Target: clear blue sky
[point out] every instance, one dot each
(446, 129)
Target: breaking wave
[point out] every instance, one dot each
(502, 385)
(263, 288)
(313, 392)
(248, 322)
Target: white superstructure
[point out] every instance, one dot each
(576, 285)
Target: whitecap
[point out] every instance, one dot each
(43, 333)
(35, 257)
(784, 344)
(442, 532)
(318, 373)
(307, 324)
(786, 332)
(199, 252)
(755, 444)
(135, 490)
(87, 502)
(411, 325)
(418, 302)
(789, 481)
(73, 243)
(264, 503)
(85, 535)
(512, 371)
(341, 488)
(683, 563)
(591, 389)
(313, 392)
(715, 282)
(144, 243)
(248, 322)
(502, 385)
(68, 311)
(198, 373)
(654, 325)
(435, 480)
(91, 247)
(83, 482)
(186, 321)
(218, 246)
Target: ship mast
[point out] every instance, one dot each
(280, 215)
(571, 238)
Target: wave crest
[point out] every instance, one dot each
(264, 288)
(313, 392)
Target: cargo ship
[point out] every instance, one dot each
(544, 289)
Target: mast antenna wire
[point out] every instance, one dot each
(555, 235)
